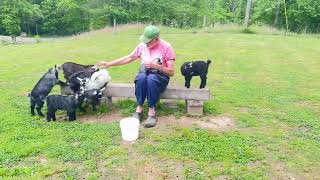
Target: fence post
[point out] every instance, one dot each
(114, 25)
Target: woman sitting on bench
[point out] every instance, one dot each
(157, 65)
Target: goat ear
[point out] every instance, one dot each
(102, 89)
(94, 92)
(80, 79)
(96, 68)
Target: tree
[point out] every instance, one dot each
(247, 17)
(64, 17)
(31, 18)
(10, 18)
(277, 13)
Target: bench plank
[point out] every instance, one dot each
(172, 92)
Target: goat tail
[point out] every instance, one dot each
(208, 61)
(30, 97)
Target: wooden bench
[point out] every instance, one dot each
(194, 97)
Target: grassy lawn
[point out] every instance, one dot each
(268, 84)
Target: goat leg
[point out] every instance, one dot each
(203, 81)
(32, 106)
(72, 115)
(39, 107)
(187, 81)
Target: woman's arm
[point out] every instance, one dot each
(117, 62)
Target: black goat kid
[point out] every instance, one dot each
(196, 68)
(70, 68)
(59, 102)
(42, 89)
(70, 103)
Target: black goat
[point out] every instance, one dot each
(69, 68)
(196, 68)
(74, 82)
(93, 97)
(70, 103)
(60, 102)
(42, 89)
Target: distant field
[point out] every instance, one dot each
(268, 84)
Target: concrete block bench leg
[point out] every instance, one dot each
(106, 100)
(194, 107)
(109, 101)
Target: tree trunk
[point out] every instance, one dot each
(114, 25)
(277, 15)
(37, 29)
(204, 25)
(286, 16)
(233, 7)
(29, 29)
(247, 17)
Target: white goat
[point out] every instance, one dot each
(98, 80)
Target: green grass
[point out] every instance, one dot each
(269, 84)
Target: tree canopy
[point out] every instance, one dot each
(65, 17)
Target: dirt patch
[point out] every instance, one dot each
(149, 171)
(106, 118)
(308, 104)
(244, 110)
(42, 159)
(281, 172)
(219, 123)
(278, 170)
(222, 177)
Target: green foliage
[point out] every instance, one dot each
(304, 16)
(11, 17)
(65, 17)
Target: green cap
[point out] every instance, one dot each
(150, 32)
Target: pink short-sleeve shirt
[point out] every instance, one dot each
(163, 50)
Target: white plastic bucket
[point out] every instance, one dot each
(129, 128)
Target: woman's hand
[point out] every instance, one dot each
(152, 66)
(103, 64)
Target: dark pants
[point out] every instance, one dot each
(150, 86)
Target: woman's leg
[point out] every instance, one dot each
(156, 84)
(140, 90)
